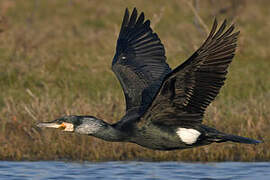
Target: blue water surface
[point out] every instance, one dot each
(133, 170)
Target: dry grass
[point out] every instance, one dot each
(55, 59)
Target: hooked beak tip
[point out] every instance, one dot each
(39, 125)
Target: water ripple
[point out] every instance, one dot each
(133, 170)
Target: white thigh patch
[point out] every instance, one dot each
(188, 136)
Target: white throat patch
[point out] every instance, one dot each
(68, 126)
(188, 136)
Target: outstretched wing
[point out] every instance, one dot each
(140, 62)
(189, 89)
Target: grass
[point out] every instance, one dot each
(55, 59)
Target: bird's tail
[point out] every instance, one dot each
(221, 137)
(213, 135)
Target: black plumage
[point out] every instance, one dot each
(191, 87)
(139, 62)
(164, 107)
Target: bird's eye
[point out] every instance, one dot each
(62, 126)
(67, 126)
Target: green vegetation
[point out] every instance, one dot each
(55, 59)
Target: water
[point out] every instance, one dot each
(133, 170)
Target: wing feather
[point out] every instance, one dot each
(139, 62)
(186, 92)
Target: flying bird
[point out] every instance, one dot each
(164, 107)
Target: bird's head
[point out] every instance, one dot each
(78, 124)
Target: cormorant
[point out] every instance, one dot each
(164, 107)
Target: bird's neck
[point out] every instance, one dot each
(102, 130)
(110, 133)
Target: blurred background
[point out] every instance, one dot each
(55, 60)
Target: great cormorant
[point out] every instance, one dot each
(164, 107)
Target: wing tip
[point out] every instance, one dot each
(125, 19)
(133, 19)
(213, 29)
(222, 32)
(126, 11)
(224, 22)
(215, 24)
(237, 33)
(135, 10)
